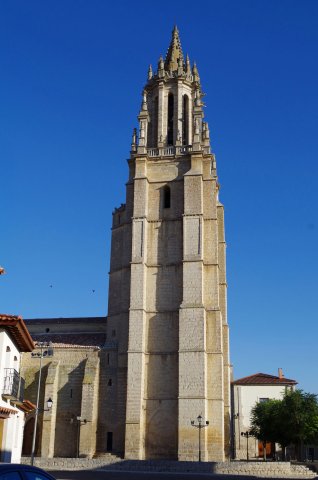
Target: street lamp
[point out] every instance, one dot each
(246, 434)
(199, 426)
(46, 350)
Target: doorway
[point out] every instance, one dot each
(109, 446)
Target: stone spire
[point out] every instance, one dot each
(174, 56)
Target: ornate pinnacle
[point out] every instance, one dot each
(195, 73)
(188, 66)
(144, 105)
(174, 52)
(150, 72)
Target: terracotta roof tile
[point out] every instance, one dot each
(16, 327)
(264, 379)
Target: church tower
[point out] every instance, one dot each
(167, 326)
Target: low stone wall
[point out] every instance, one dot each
(111, 462)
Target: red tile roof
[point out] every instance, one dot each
(5, 412)
(264, 379)
(16, 328)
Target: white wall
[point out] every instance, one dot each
(245, 398)
(13, 426)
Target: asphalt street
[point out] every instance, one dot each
(108, 475)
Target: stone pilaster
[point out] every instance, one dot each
(135, 415)
(49, 417)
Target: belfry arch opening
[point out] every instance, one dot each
(170, 118)
(185, 120)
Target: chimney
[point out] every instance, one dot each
(280, 373)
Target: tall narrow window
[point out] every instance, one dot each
(185, 120)
(155, 122)
(166, 197)
(170, 118)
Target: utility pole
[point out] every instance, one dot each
(41, 354)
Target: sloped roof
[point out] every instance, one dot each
(264, 379)
(72, 340)
(18, 331)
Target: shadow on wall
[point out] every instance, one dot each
(68, 408)
(28, 437)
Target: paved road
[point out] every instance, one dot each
(97, 475)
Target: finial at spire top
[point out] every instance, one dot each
(174, 52)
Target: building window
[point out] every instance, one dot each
(166, 197)
(262, 400)
(15, 358)
(113, 333)
(170, 118)
(8, 349)
(110, 382)
(108, 358)
(185, 119)
(47, 330)
(155, 122)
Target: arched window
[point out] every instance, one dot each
(185, 118)
(155, 122)
(8, 349)
(170, 118)
(166, 197)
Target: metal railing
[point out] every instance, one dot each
(13, 385)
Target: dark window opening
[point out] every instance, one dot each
(47, 330)
(170, 118)
(8, 349)
(166, 197)
(15, 359)
(155, 122)
(110, 382)
(113, 333)
(185, 118)
(109, 446)
(71, 393)
(107, 358)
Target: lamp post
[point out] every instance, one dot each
(46, 350)
(199, 426)
(246, 434)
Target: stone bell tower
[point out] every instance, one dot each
(167, 322)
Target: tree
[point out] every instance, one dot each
(292, 420)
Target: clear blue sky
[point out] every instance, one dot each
(72, 73)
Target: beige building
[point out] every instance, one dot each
(165, 358)
(246, 393)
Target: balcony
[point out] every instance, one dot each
(13, 387)
(169, 151)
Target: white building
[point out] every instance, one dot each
(246, 392)
(14, 339)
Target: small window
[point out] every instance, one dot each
(108, 358)
(113, 333)
(166, 197)
(15, 358)
(262, 400)
(47, 330)
(8, 349)
(110, 382)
